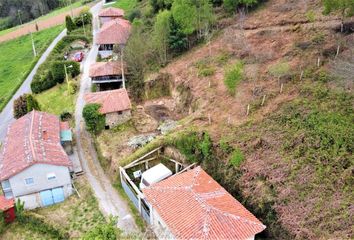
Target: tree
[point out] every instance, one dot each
(345, 6)
(177, 41)
(231, 5)
(161, 35)
(70, 26)
(95, 121)
(24, 104)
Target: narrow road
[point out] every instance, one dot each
(6, 116)
(110, 202)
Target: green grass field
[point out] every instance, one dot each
(17, 60)
(126, 5)
(57, 100)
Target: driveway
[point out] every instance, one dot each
(110, 202)
(6, 116)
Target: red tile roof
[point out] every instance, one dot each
(111, 12)
(32, 139)
(116, 31)
(106, 69)
(195, 206)
(6, 204)
(111, 101)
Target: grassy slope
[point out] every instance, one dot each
(126, 5)
(17, 60)
(56, 100)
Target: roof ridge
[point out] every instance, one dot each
(30, 136)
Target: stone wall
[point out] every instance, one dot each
(114, 119)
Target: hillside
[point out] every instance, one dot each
(297, 172)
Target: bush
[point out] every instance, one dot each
(237, 158)
(233, 76)
(70, 26)
(134, 14)
(58, 71)
(42, 82)
(84, 15)
(65, 116)
(95, 121)
(24, 104)
(106, 231)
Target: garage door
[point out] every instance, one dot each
(49, 197)
(58, 195)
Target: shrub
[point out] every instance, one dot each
(134, 14)
(237, 158)
(65, 116)
(106, 231)
(280, 69)
(42, 81)
(58, 71)
(84, 15)
(2, 223)
(70, 26)
(233, 76)
(95, 121)
(24, 104)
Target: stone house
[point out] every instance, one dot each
(115, 105)
(34, 166)
(111, 13)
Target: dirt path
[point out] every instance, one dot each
(42, 24)
(110, 202)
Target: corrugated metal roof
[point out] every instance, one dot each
(66, 136)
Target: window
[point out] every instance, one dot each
(29, 181)
(120, 113)
(51, 176)
(8, 194)
(6, 185)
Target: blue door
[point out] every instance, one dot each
(47, 198)
(58, 195)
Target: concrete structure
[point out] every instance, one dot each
(108, 14)
(115, 105)
(33, 164)
(107, 75)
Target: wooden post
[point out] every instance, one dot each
(281, 88)
(318, 61)
(263, 100)
(248, 110)
(209, 118)
(338, 48)
(301, 75)
(228, 119)
(176, 167)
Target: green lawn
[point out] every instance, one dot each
(126, 5)
(57, 100)
(17, 60)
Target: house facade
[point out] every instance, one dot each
(192, 205)
(115, 32)
(108, 14)
(115, 105)
(107, 75)
(34, 166)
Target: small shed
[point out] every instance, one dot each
(66, 137)
(7, 208)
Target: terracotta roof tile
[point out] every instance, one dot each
(106, 69)
(6, 203)
(111, 12)
(195, 206)
(116, 31)
(111, 101)
(31, 139)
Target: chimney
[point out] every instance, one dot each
(45, 135)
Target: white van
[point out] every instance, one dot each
(154, 175)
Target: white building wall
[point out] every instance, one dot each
(159, 226)
(30, 193)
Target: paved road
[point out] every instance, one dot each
(6, 116)
(110, 202)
